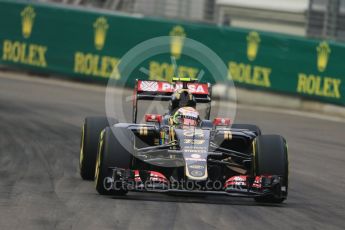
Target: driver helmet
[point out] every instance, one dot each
(181, 98)
(187, 116)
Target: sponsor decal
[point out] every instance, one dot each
(195, 88)
(319, 86)
(28, 19)
(25, 52)
(197, 147)
(323, 53)
(196, 166)
(195, 156)
(187, 150)
(149, 85)
(194, 141)
(316, 84)
(253, 42)
(101, 27)
(193, 133)
(241, 183)
(218, 121)
(197, 173)
(165, 87)
(166, 71)
(177, 39)
(194, 159)
(249, 74)
(96, 65)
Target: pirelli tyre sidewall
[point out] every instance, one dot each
(271, 158)
(112, 153)
(91, 129)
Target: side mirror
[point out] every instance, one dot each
(153, 118)
(218, 121)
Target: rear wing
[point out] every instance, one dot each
(163, 91)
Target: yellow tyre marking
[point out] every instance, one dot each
(98, 161)
(254, 154)
(288, 159)
(81, 155)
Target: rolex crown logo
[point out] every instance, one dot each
(323, 52)
(101, 26)
(253, 41)
(28, 16)
(177, 39)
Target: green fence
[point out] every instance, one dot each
(88, 45)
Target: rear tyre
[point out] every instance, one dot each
(91, 130)
(271, 158)
(250, 127)
(113, 151)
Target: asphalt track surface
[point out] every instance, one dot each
(40, 187)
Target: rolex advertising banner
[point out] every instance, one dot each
(88, 45)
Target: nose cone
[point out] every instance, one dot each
(196, 170)
(194, 143)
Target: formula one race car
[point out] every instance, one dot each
(179, 152)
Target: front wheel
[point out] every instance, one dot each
(91, 130)
(271, 158)
(114, 151)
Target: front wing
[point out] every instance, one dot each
(155, 182)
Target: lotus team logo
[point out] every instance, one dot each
(177, 40)
(323, 52)
(28, 18)
(101, 26)
(253, 41)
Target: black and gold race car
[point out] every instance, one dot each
(179, 152)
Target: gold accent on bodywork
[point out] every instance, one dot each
(171, 134)
(227, 135)
(143, 131)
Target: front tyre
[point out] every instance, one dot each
(91, 130)
(114, 150)
(271, 158)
